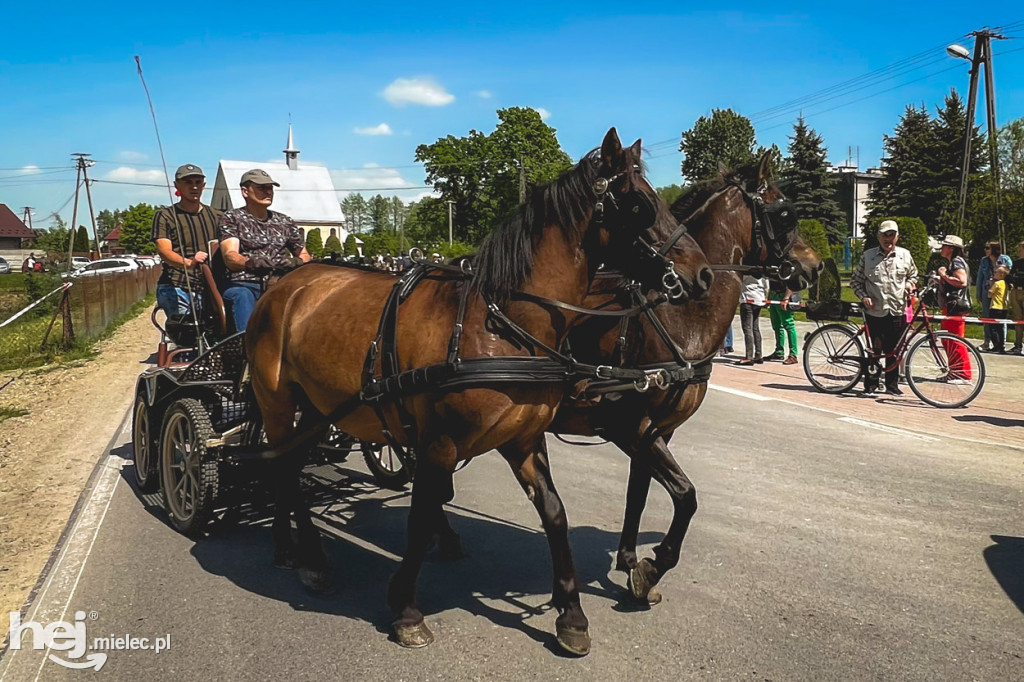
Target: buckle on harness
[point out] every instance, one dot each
(604, 372)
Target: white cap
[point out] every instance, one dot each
(889, 226)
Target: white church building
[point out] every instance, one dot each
(306, 194)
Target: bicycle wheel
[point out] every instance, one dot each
(833, 358)
(945, 370)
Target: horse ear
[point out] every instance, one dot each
(611, 149)
(764, 168)
(636, 149)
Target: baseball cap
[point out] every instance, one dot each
(188, 170)
(889, 226)
(258, 176)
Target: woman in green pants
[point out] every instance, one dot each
(782, 320)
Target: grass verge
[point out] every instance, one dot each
(20, 343)
(9, 412)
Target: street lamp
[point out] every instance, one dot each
(958, 51)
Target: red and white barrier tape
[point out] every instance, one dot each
(30, 306)
(931, 316)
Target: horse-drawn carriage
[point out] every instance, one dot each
(487, 358)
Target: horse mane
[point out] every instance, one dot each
(505, 257)
(696, 195)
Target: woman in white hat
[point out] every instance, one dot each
(957, 276)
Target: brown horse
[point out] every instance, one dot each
(308, 339)
(740, 221)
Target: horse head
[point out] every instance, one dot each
(645, 229)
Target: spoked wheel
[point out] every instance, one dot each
(945, 370)
(386, 466)
(147, 476)
(189, 473)
(833, 358)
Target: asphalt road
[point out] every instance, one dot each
(822, 550)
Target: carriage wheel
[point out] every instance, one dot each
(833, 358)
(386, 466)
(945, 370)
(147, 478)
(188, 471)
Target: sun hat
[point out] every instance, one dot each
(953, 240)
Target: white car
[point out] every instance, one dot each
(105, 266)
(78, 262)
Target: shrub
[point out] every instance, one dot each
(351, 246)
(814, 234)
(315, 244)
(333, 245)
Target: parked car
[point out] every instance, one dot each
(105, 266)
(79, 262)
(146, 261)
(5, 267)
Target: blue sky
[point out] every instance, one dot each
(224, 79)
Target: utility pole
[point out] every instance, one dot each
(982, 58)
(79, 159)
(450, 204)
(26, 216)
(92, 216)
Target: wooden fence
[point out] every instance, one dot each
(98, 299)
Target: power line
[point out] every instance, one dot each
(336, 189)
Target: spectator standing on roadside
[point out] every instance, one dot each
(957, 276)
(997, 307)
(881, 281)
(1016, 310)
(755, 292)
(782, 322)
(994, 257)
(256, 242)
(182, 233)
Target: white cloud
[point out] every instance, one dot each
(129, 156)
(129, 174)
(30, 169)
(483, 94)
(423, 90)
(544, 113)
(371, 179)
(382, 129)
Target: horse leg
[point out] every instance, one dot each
(534, 474)
(636, 499)
(431, 488)
(646, 573)
(449, 545)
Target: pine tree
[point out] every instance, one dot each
(810, 185)
(351, 247)
(333, 245)
(81, 240)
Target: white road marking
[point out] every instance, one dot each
(887, 429)
(742, 394)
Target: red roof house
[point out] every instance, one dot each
(12, 230)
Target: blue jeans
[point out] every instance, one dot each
(173, 300)
(242, 297)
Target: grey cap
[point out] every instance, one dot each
(257, 176)
(188, 170)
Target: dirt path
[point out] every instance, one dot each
(47, 455)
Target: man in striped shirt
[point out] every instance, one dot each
(182, 233)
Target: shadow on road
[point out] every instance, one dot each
(988, 419)
(506, 568)
(1006, 561)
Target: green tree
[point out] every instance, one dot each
(814, 234)
(315, 243)
(54, 242)
(356, 212)
(380, 243)
(669, 193)
(913, 237)
(137, 228)
(351, 246)
(333, 245)
(921, 166)
(810, 185)
(482, 174)
(725, 137)
(379, 214)
(81, 240)
(107, 220)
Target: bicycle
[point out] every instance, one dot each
(941, 368)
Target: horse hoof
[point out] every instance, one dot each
(317, 582)
(573, 641)
(641, 583)
(414, 636)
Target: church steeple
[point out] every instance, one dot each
(291, 154)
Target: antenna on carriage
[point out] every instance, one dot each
(170, 196)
